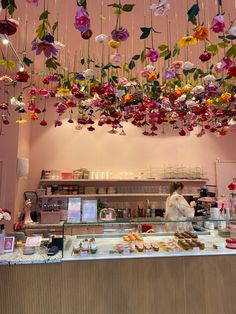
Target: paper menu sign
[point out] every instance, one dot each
(33, 241)
(74, 210)
(89, 211)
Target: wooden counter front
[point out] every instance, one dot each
(174, 285)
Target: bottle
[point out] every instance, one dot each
(2, 236)
(148, 208)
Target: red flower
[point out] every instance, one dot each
(232, 186)
(43, 123)
(232, 71)
(8, 27)
(205, 56)
(87, 34)
(22, 76)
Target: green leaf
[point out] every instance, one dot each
(54, 27)
(231, 52)
(11, 9)
(213, 49)
(145, 32)
(131, 65)
(115, 5)
(176, 50)
(231, 37)
(126, 68)
(128, 7)
(52, 63)
(223, 44)
(41, 31)
(107, 66)
(162, 47)
(168, 56)
(82, 61)
(3, 61)
(4, 3)
(27, 61)
(165, 53)
(10, 64)
(135, 57)
(44, 15)
(143, 56)
(193, 12)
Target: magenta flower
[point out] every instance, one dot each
(152, 54)
(120, 34)
(47, 48)
(169, 74)
(56, 123)
(82, 20)
(218, 24)
(226, 63)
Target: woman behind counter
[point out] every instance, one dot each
(177, 208)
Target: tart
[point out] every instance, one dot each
(231, 243)
(155, 246)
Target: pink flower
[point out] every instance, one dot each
(116, 58)
(218, 67)
(177, 65)
(218, 24)
(31, 106)
(160, 8)
(82, 20)
(152, 54)
(120, 34)
(6, 79)
(226, 63)
(35, 2)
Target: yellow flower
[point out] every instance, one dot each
(114, 44)
(187, 88)
(187, 41)
(201, 32)
(63, 91)
(209, 101)
(152, 76)
(225, 97)
(21, 121)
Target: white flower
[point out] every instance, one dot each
(231, 122)
(120, 93)
(160, 8)
(7, 216)
(181, 98)
(1, 216)
(16, 102)
(150, 68)
(102, 38)
(232, 30)
(209, 78)
(86, 102)
(88, 74)
(188, 66)
(198, 89)
(190, 103)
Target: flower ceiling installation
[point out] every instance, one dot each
(110, 90)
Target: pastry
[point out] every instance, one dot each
(126, 238)
(139, 246)
(147, 246)
(155, 246)
(231, 243)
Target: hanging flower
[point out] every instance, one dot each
(232, 30)
(205, 56)
(152, 54)
(209, 78)
(63, 92)
(33, 91)
(31, 106)
(201, 32)
(218, 24)
(82, 20)
(46, 47)
(225, 97)
(187, 41)
(116, 58)
(6, 79)
(120, 34)
(226, 63)
(177, 65)
(3, 106)
(43, 123)
(114, 44)
(5, 215)
(188, 66)
(218, 67)
(21, 121)
(57, 123)
(152, 76)
(22, 76)
(34, 116)
(87, 34)
(232, 71)
(160, 8)
(8, 26)
(198, 89)
(102, 38)
(88, 74)
(16, 102)
(169, 74)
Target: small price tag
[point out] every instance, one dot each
(84, 253)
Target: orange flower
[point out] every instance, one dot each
(225, 97)
(152, 76)
(128, 98)
(201, 32)
(178, 91)
(33, 116)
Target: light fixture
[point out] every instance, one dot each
(5, 41)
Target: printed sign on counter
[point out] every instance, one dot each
(74, 210)
(89, 211)
(33, 241)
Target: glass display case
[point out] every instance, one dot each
(149, 238)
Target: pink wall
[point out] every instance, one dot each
(65, 148)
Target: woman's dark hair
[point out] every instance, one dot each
(174, 186)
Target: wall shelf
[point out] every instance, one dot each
(121, 180)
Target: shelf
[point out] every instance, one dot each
(111, 195)
(123, 180)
